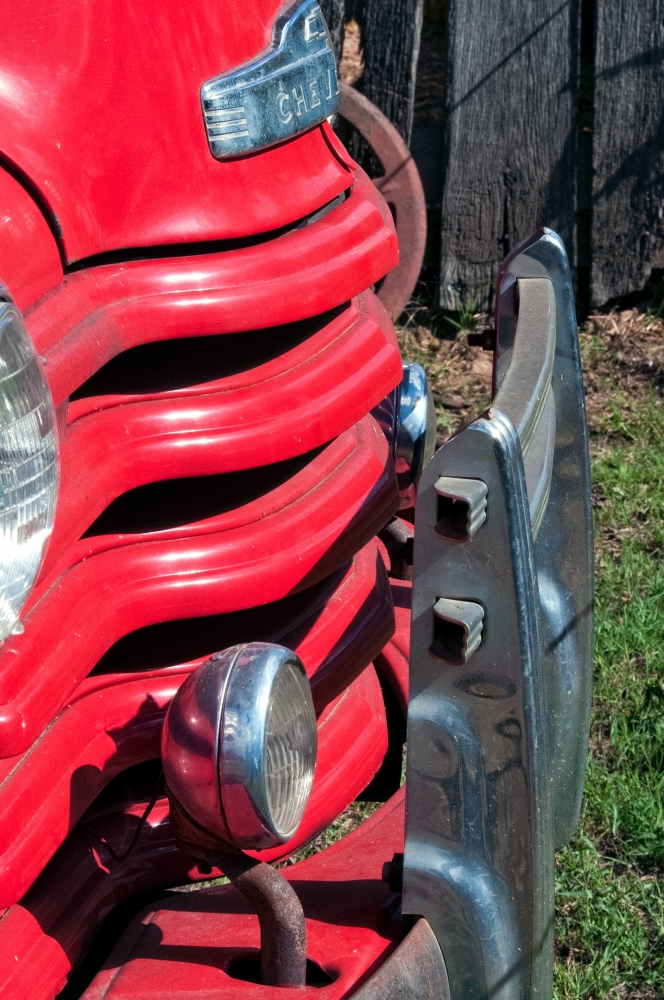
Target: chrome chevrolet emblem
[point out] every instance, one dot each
(283, 92)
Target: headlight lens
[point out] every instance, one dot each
(28, 467)
(268, 746)
(239, 745)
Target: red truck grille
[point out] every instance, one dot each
(217, 487)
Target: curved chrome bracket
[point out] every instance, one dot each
(562, 524)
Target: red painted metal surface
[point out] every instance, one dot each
(327, 512)
(45, 935)
(28, 251)
(102, 136)
(99, 312)
(101, 110)
(186, 946)
(114, 721)
(393, 660)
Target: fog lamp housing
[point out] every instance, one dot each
(239, 745)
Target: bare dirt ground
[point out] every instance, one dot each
(624, 352)
(459, 375)
(622, 348)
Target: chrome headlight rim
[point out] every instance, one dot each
(243, 744)
(416, 431)
(215, 742)
(28, 441)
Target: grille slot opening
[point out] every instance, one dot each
(168, 643)
(248, 969)
(170, 503)
(452, 519)
(200, 248)
(388, 779)
(134, 784)
(166, 365)
(448, 641)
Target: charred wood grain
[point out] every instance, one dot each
(390, 43)
(510, 136)
(334, 12)
(628, 146)
(390, 31)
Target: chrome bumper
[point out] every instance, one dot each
(501, 648)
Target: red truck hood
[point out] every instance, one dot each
(100, 112)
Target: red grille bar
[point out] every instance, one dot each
(287, 407)
(98, 313)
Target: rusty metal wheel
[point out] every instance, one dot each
(401, 187)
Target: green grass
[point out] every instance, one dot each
(465, 319)
(610, 885)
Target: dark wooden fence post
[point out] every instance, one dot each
(390, 42)
(510, 135)
(334, 12)
(390, 31)
(628, 146)
(519, 149)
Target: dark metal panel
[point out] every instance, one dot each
(628, 146)
(510, 135)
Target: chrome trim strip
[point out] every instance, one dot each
(538, 462)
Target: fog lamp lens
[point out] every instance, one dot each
(290, 749)
(28, 467)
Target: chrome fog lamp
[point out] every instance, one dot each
(28, 467)
(239, 745)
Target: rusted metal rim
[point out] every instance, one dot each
(414, 971)
(402, 189)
